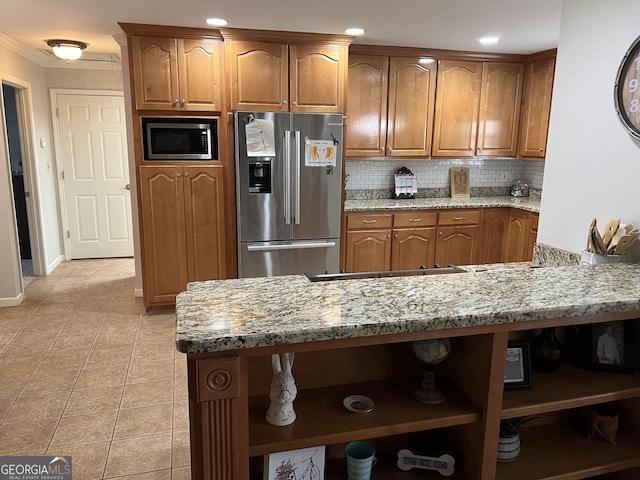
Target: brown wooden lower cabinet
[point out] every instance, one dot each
(368, 250)
(230, 436)
(182, 216)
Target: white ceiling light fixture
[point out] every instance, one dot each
(67, 49)
(354, 31)
(489, 40)
(216, 22)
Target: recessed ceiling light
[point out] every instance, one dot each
(425, 61)
(489, 40)
(355, 31)
(217, 22)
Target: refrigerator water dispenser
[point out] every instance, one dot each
(260, 177)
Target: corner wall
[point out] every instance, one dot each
(593, 164)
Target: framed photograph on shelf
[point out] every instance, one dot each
(517, 371)
(302, 464)
(610, 346)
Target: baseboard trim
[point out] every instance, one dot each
(52, 266)
(12, 302)
(138, 293)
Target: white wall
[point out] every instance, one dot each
(593, 165)
(84, 79)
(15, 68)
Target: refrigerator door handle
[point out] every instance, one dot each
(296, 211)
(259, 247)
(287, 177)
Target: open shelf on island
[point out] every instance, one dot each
(569, 387)
(559, 451)
(323, 420)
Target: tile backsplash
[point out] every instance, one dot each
(377, 174)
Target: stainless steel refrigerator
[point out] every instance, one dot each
(288, 192)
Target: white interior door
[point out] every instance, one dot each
(93, 146)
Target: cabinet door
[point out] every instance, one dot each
(204, 215)
(155, 73)
(458, 245)
(317, 78)
(259, 74)
(500, 99)
(199, 62)
(412, 89)
(413, 248)
(457, 105)
(537, 105)
(368, 251)
(518, 237)
(366, 130)
(164, 250)
(495, 230)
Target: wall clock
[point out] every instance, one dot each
(627, 90)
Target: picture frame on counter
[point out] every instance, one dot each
(518, 374)
(301, 464)
(609, 346)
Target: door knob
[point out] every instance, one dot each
(126, 187)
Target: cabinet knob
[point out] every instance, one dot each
(440, 233)
(389, 236)
(369, 221)
(175, 102)
(541, 150)
(396, 235)
(183, 102)
(178, 174)
(284, 102)
(294, 103)
(186, 174)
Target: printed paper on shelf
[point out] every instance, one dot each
(319, 153)
(260, 138)
(303, 464)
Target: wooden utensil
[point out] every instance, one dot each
(625, 242)
(614, 241)
(609, 231)
(599, 242)
(628, 227)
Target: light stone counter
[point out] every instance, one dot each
(523, 203)
(246, 313)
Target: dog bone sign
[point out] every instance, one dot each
(443, 464)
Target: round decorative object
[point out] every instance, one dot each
(546, 351)
(432, 351)
(508, 447)
(627, 90)
(358, 403)
(219, 380)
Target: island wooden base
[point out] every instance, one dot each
(228, 399)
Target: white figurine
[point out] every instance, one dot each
(282, 391)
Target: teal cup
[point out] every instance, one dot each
(360, 460)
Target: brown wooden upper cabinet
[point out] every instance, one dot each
(477, 109)
(389, 106)
(537, 105)
(308, 76)
(176, 74)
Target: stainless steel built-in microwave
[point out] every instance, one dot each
(180, 138)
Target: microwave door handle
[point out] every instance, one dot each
(287, 177)
(298, 166)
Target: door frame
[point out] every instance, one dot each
(28, 146)
(55, 122)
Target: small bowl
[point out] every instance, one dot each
(358, 403)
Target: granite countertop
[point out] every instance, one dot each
(524, 203)
(236, 314)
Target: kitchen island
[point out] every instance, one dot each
(354, 337)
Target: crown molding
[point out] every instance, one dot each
(27, 53)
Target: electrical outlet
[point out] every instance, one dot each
(503, 176)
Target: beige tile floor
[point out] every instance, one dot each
(84, 371)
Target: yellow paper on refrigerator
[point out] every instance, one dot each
(320, 153)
